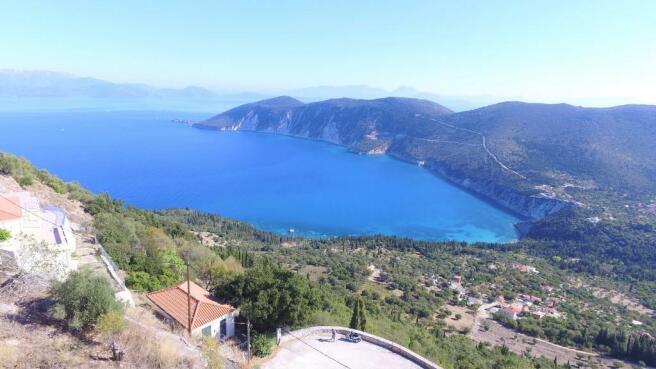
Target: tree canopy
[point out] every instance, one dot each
(271, 296)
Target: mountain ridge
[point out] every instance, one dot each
(531, 158)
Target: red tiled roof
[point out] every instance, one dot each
(8, 208)
(513, 309)
(173, 300)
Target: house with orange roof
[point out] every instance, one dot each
(208, 317)
(512, 311)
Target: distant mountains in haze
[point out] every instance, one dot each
(46, 91)
(509, 152)
(63, 85)
(43, 90)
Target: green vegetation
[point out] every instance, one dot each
(621, 250)
(271, 296)
(608, 166)
(277, 281)
(262, 345)
(25, 172)
(82, 299)
(359, 317)
(4, 234)
(110, 324)
(25, 181)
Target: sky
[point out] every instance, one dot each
(535, 50)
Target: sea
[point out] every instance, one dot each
(292, 186)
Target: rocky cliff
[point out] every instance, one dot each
(533, 159)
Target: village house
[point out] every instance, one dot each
(512, 311)
(523, 268)
(208, 317)
(29, 223)
(528, 299)
(456, 285)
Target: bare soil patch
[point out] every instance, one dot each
(519, 343)
(464, 323)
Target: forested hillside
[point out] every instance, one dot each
(516, 154)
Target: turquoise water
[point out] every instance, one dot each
(273, 182)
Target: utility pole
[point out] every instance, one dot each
(248, 338)
(188, 297)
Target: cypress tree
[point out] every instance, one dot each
(355, 318)
(362, 316)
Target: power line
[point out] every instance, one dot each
(30, 211)
(317, 350)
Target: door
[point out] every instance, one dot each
(223, 329)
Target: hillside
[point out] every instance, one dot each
(531, 158)
(148, 247)
(365, 125)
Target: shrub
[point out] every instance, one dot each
(51, 181)
(262, 345)
(82, 298)
(4, 235)
(110, 323)
(25, 181)
(142, 281)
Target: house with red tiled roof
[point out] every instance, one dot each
(512, 311)
(208, 317)
(9, 209)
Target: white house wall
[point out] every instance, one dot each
(216, 326)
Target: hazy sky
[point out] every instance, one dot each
(539, 50)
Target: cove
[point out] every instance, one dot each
(276, 183)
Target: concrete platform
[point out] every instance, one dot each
(309, 353)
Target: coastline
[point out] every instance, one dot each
(520, 227)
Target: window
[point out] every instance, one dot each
(207, 331)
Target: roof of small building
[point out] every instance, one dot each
(56, 214)
(204, 309)
(513, 309)
(9, 208)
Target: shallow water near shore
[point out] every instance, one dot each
(276, 183)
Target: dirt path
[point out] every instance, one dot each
(480, 315)
(484, 144)
(521, 344)
(375, 273)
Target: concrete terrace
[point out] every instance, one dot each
(313, 348)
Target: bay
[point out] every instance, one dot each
(276, 183)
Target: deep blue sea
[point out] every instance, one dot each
(276, 183)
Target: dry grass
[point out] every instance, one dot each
(29, 340)
(466, 318)
(9, 356)
(142, 349)
(314, 272)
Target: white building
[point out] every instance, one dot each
(208, 317)
(41, 237)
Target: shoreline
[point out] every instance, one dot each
(494, 202)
